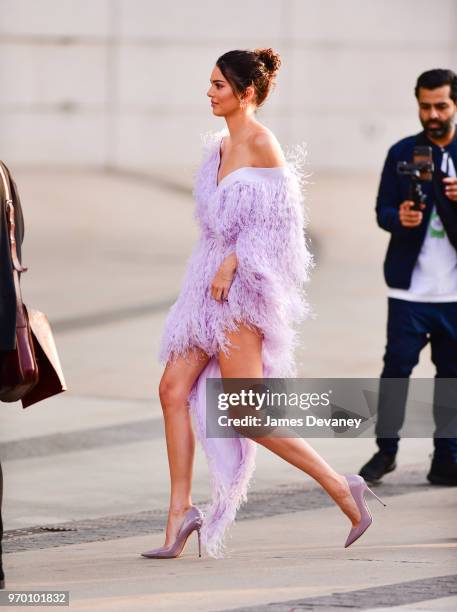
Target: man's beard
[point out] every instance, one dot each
(442, 127)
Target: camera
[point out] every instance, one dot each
(420, 169)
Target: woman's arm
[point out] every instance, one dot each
(265, 153)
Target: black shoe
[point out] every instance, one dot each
(381, 463)
(443, 473)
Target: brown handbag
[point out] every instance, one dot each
(32, 371)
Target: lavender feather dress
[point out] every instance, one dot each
(258, 213)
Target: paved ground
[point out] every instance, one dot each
(86, 476)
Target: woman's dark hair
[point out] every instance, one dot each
(437, 78)
(242, 68)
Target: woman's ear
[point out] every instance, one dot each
(248, 97)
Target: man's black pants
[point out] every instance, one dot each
(410, 326)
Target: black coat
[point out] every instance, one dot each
(406, 242)
(7, 292)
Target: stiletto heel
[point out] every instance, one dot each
(199, 543)
(374, 495)
(358, 486)
(193, 520)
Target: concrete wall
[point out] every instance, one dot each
(122, 83)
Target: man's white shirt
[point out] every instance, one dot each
(434, 277)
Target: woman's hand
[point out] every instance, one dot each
(224, 278)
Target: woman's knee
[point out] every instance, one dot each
(172, 395)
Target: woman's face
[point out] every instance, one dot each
(223, 100)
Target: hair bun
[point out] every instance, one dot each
(270, 58)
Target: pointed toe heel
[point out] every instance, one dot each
(193, 521)
(358, 487)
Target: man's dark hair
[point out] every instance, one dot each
(437, 78)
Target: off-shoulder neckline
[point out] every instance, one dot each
(262, 172)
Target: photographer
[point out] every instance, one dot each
(420, 270)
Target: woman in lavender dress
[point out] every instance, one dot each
(242, 292)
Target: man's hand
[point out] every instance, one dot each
(450, 188)
(408, 217)
(223, 278)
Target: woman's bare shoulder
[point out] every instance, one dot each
(265, 149)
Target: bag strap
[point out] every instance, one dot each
(10, 217)
(18, 268)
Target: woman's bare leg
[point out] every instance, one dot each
(245, 361)
(175, 385)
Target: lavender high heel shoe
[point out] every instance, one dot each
(358, 486)
(193, 520)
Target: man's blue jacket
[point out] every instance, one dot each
(406, 242)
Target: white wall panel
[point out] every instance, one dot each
(372, 21)
(52, 138)
(124, 82)
(43, 18)
(43, 75)
(200, 19)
